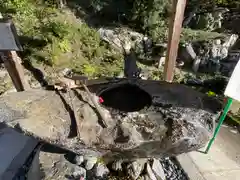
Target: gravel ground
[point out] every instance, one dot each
(173, 170)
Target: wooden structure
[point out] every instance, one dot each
(9, 44)
(15, 70)
(175, 30)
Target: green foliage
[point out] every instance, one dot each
(189, 35)
(160, 34)
(152, 18)
(157, 74)
(70, 43)
(226, 2)
(89, 70)
(51, 3)
(150, 14)
(211, 4)
(14, 5)
(64, 46)
(57, 29)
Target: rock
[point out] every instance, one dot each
(135, 168)
(55, 165)
(12, 90)
(150, 173)
(79, 160)
(196, 64)
(3, 73)
(217, 56)
(66, 72)
(35, 85)
(190, 51)
(172, 169)
(187, 53)
(101, 170)
(117, 165)
(161, 61)
(146, 177)
(89, 133)
(162, 119)
(147, 43)
(90, 162)
(158, 170)
(230, 41)
(145, 74)
(218, 51)
(210, 21)
(79, 172)
(230, 62)
(218, 15)
(117, 37)
(180, 63)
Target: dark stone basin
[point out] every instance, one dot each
(177, 119)
(126, 98)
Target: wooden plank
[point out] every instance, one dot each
(175, 30)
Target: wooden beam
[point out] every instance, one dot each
(175, 30)
(15, 70)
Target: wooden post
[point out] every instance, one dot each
(175, 30)
(15, 70)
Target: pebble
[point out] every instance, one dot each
(66, 71)
(146, 177)
(3, 73)
(90, 162)
(172, 170)
(117, 165)
(79, 172)
(158, 170)
(150, 173)
(101, 170)
(78, 160)
(135, 168)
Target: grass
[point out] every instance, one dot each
(57, 39)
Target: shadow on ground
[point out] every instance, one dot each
(29, 44)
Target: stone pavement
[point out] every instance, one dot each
(221, 163)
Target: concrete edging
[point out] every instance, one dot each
(189, 167)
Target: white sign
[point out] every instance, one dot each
(233, 87)
(7, 37)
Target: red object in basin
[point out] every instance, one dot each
(100, 100)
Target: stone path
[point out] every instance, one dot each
(221, 163)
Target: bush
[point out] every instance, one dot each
(150, 14)
(143, 15)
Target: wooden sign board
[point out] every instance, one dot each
(8, 36)
(233, 87)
